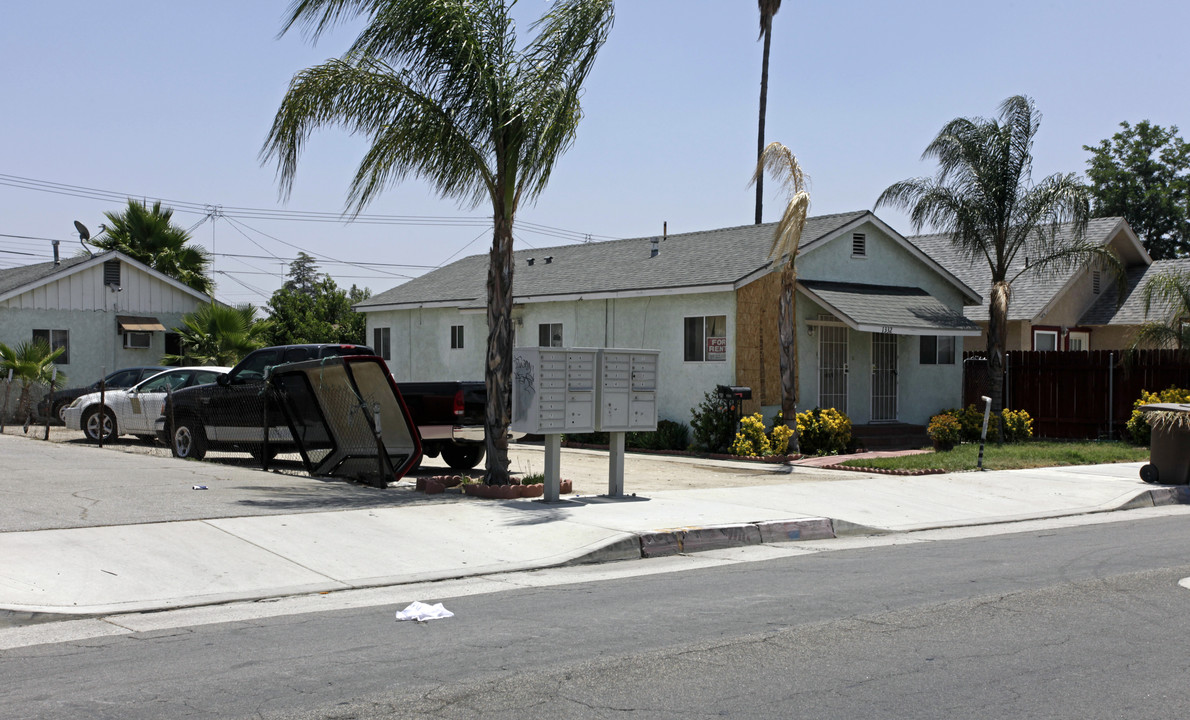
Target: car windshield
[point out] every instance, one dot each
(165, 381)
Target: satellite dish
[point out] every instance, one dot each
(84, 233)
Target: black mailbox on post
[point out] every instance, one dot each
(733, 396)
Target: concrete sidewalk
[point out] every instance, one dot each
(158, 565)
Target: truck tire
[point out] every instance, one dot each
(187, 440)
(96, 425)
(462, 457)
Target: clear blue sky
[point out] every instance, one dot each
(172, 100)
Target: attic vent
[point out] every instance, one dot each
(530, 261)
(111, 273)
(1095, 279)
(549, 259)
(859, 245)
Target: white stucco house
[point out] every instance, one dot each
(107, 310)
(879, 323)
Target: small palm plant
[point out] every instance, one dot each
(1170, 290)
(32, 363)
(218, 335)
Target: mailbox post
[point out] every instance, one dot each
(627, 402)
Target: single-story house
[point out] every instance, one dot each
(1074, 309)
(877, 319)
(107, 310)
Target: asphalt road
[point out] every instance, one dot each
(1059, 621)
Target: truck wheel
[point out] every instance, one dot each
(462, 457)
(188, 441)
(98, 426)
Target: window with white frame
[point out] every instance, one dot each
(549, 335)
(859, 245)
(937, 350)
(137, 340)
(704, 338)
(1078, 340)
(55, 339)
(1045, 340)
(456, 337)
(382, 342)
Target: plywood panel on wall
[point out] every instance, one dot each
(757, 352)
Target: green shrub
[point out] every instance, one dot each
(669, 435)
(713, 425)
(823, 432)
(1138, 425)
(945, 430)
(1018, 426)
(751, 440)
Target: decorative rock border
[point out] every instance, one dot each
(440, 483)
(887, 471)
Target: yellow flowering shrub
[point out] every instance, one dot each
(751, 439)
(823, 432)
(1018, 425)
(945, 431)
(1138, 426)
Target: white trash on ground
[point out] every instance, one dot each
(422, 612)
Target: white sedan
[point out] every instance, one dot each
(133, 411)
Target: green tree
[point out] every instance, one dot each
(443, 91)
(303, 274)
(768, 8)
(778, 161)
(1171, 292)
(322, 315)
(32, 363)
(1143, 174)
(218, 334)
(983, 197)
(148, 235)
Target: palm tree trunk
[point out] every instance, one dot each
(787, 324)
(764, 99)
(997, 322)
(498, 373)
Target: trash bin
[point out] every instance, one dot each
(1169, 452)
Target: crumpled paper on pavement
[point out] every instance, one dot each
(422, 612)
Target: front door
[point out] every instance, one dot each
(884, 378)
(832, 367)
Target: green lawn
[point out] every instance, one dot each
(1040, 453)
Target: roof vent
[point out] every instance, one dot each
(530, 262)
(549, 259)
(653, 248)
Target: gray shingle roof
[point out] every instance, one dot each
(1132, 311)
(901, 309)
(1030, 292)
(13, 278)
(696, 259)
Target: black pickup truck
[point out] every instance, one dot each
(230, 414)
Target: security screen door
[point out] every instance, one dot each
(832, 367)
(884, 377)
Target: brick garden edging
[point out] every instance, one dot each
(886, 471)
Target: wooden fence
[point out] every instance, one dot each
(1077, 394)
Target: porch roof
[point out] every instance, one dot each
(888, 309)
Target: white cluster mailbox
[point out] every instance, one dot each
(580, 390)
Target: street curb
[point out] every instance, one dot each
(718, 537)
(1168, 495)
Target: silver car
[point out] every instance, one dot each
(133, 411)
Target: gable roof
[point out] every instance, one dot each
(1032, 294)
(18, 280)
(1132, 311)
(888, 309)
(703, 261)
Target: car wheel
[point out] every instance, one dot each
(60, 410)
(188, 441)
(99, 426)
(462, 457)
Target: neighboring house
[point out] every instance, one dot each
(877, 318)
(1068, 310)
(107, 310)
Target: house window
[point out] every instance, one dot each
(549, 335)
(111, 273)
(705, 339)
(1095, 280)
(382, 342)
(859, 245)
(456, 337)
(55, 339)
(1078, 340)
(135, 340)
(937, 350)
(1045, 340)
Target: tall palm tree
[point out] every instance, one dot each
(218, 335)
(983, 197)
(444, 92)
(31, 363)
(1171, 290)
(768, 8)
(778, 161)
(148, 235)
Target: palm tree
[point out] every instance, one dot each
(779, 162)
(218, 335)
(983, 197)
(1171, 290)
(444, 92)
(32, 363)
(768, 8)
(148, 235)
